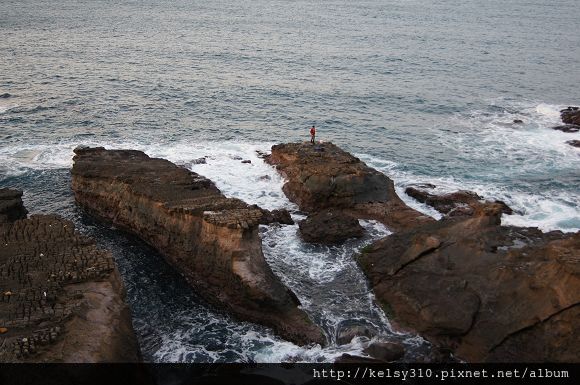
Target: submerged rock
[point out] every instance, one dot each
(574, 143)
(487, 292)
(351, 359)
(213, 240)
(347, 330)
(459, 203)
(330, 227)
(570, 128)
(62, 298)
(326, 177)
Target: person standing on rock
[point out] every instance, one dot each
(312, 134)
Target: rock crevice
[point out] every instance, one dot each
(213, 240)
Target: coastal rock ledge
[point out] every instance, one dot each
(487, 292)
(323, 176)
(61, 297)
(213, 240)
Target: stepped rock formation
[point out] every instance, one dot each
(323, 176)
(485, 291)
(61, 297)
(213, 240)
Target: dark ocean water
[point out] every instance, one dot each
(426, 91)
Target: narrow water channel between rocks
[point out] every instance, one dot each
(174, 325)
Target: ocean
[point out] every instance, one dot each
(424, 91)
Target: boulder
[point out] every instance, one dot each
(212, 240)
(385, 351)
(571, 115)
(459, 203)
(326, 177)
(330, 227)
(11, 206)
(489, 293)
(281, 216)
(61, 297)
(574, 143)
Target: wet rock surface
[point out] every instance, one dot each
(61, 297)
(574, 143)
(213, 240)
(570, 128)
(330, 227)
(11, 207)
(348, 330)
(459, 203)
(385, 351)
(571, 115)
(323, 176)
(486, 292)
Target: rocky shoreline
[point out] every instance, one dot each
(476, 289)
(482, 291)
(62, 298)
(213, 240)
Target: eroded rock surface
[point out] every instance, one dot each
(330, 227)
(61, 297)
(323, 176)
(459, 203)
(486, 291)
(213, 240)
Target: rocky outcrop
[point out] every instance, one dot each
(61, 297)
(213, 240)
(486, 291)
(323, 176)
(330, 227)
(570, 128)
(11, 207)
(571, 115)
(571, 118)
(459, 203)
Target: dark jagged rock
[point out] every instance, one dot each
(330, 227)
(459, 203)
(385, 351)
(326, 177)
(347, 330)
(571, 115)
(574, 143)
(570, 128)
(213, 240)
(518, 121)
(281, 216)
(61, 297)
(485, 291)
(11, 206)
